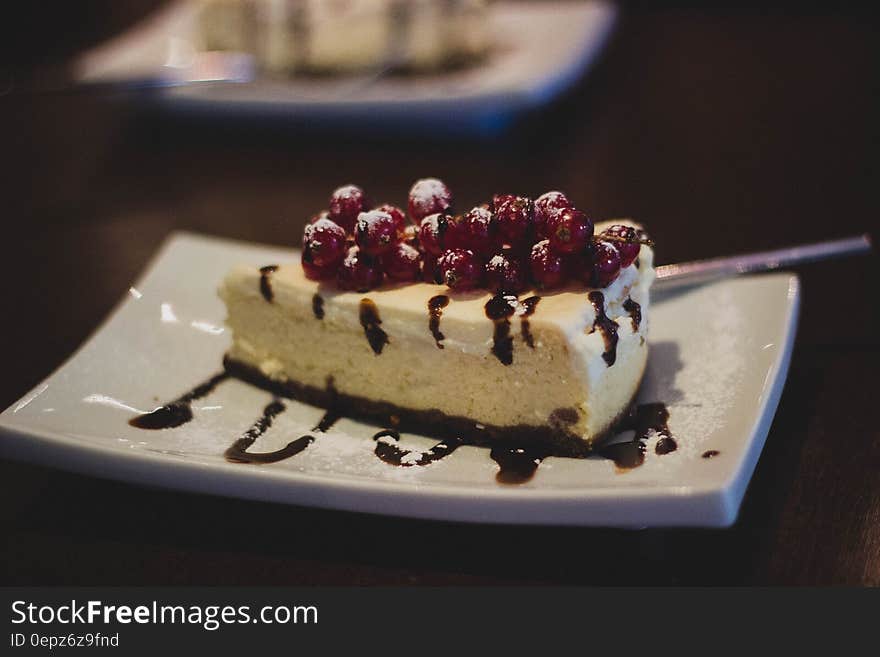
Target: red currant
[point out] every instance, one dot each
(569, 230)
(461, 269)
(625, 238)
(428, 196)
(325, 241)
(505, 274)
(546, 205)
(514, 215)
(432, 233)
(346, 203)
(314, 272)
(547, 268)
(402, 263)
(606, 264)
(500, 199)
(477, 231)
(397, 214)
(359, 271)
(375, 232)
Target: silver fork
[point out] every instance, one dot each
(702, 271)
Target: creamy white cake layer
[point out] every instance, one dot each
(564, 370)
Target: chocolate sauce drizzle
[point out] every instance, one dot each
(665, 445)
(710, 454)
(238, 453)
(500, 309)
(635, 312)
(318, 306)
(644, 420)
(370, 320)
(435, 312)
(608, 327)
(393, 454)
(179, 411)
(266, 281)
(529, 304)
(328, 420)
(517, 465)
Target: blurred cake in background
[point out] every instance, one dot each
(348, 36)
(227, 25)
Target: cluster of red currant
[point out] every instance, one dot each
(505, 246)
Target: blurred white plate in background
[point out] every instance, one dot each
(541, 49)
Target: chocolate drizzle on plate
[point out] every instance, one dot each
(238, 453)
(177, 412)
(266, 281)
(500, 309)
(644, 419)
(665, 445)
(529, 306)
(710, 454)
(635, 312)
(436, 305)
(318, 306)
(393, 454)
(607, 327)
(626, 456)
(517, 465)
(327, 420)
(370, 320)
(517, 462)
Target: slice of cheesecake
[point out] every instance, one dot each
(290, 36)
(558, 367)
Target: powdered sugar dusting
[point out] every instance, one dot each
(410, 458)
(541, 248)
(429, 195)
(320, 225)
(351, 257)
(432, 223)
(367, 220)
(711, 390)
(348, 192)
(323, 223)
(427, 189)
(699, 372)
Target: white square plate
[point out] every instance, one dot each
(718, 359)
(540, 50)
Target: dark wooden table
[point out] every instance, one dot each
(724, 132)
